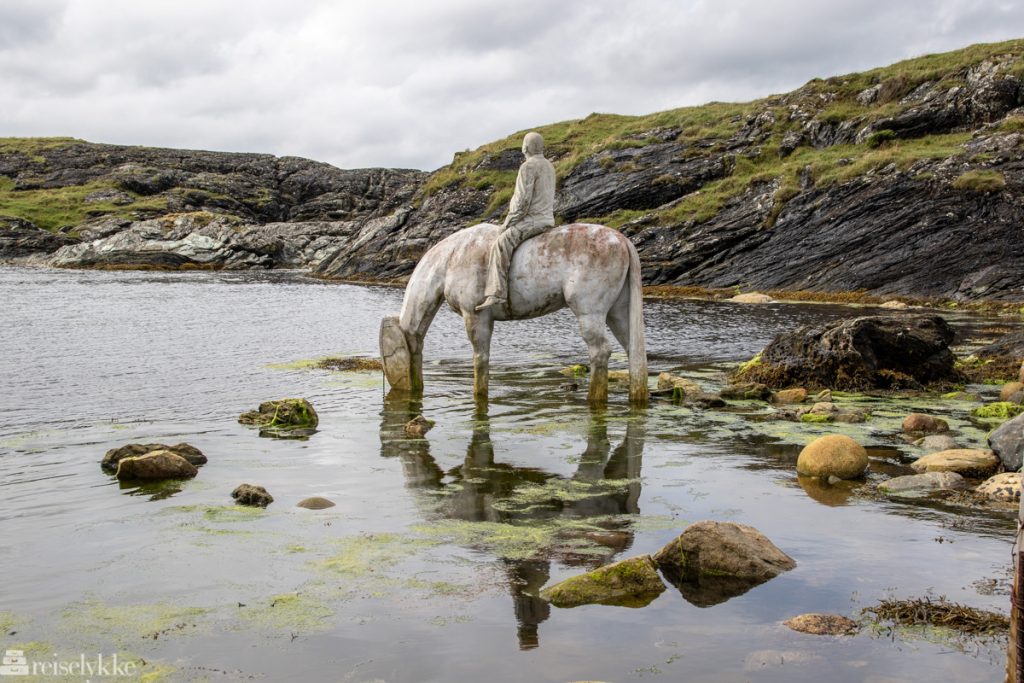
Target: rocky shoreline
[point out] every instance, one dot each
(902, 181)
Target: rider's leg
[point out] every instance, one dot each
(500, 258)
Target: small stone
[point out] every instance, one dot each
(752, 298)
(895, 305)
(928, 424)
(569, 386)
(1005, 486)
(255, 496)
(747, 391)
(668, 381)
(706, 400)
(1010, 390)
(833, 455)
(315, 503)
(418, 426)
(937, 442)
(833, 480)
(631, 583)
(824, 396)
(155, 465)
(823, 624)
(789, 396)
(968, 462)
(922, 484)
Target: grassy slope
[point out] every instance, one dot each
(573, 141)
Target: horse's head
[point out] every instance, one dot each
(395, 354)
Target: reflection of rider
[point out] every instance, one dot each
(531, 212)
(480, 482)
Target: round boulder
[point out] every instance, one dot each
(967, 462)
(315, 503)
(155, 465)
(1005, 486)
(834, 455)
(925, 424)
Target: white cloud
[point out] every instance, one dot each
(403, 83)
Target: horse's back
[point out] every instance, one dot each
(547, 272)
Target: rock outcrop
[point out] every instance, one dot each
(859, 353)
(1008, 443)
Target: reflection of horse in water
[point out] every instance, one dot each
(480, 482)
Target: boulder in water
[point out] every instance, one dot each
(315, 503)
(134, 450)
(967, 462)
(155, 465)
(920, 423)
(249, 494)
(1007, 441)
(722, 549)
(835, 455)
(1005, 486)
(630, 583)
(922, 484)
(287, 417)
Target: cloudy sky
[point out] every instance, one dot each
(408, 82)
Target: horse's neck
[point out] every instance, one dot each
(423, 296)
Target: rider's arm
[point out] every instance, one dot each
(521, 198)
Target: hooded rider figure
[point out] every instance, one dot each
(531, 212)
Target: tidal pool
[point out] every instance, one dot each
(429, 566)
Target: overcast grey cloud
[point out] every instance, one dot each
(407, 83)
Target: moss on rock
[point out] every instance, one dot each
(628, 583)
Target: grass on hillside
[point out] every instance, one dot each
(55, 208)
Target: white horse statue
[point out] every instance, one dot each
(593, 270)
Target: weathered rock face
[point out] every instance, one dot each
(1008, 443)
(922, 484)
(154, 466)
(629, 583)
(860, 353)
(21, 238)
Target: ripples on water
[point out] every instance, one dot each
(466, 525)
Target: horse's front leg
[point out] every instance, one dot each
(592, 328)
(479, 327)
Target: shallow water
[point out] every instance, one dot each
(428, 567)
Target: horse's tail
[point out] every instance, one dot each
(637, 351)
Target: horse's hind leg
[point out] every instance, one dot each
(618, 319)
(479, 327)
(592, 328)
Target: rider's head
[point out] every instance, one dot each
(533, 143)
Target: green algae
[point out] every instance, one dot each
(1000, 411)
(815, 418)
(334, 363)
(124, 624)
(219, 513)
(556, 492)
(7, 622)
(367, 554)
(297, 611)
(515, 541)
(633, 582)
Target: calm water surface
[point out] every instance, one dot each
(428, 567)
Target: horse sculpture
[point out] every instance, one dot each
(591, 269)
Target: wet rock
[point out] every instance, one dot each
(752, 298)
(1005, 486)
(891, 352)
(19, 238)
(823, 396)
(789, 396)
(631, 583)
(1007, 441)
(418, 426)
(710, 550)
(254, 496)
(578, 370)
(834, 455)
(155, 465)
(315, 503)
(749, 391)
(850, 417)
(922, 484)
(706, 400)
(920, 423)
(569, 386)
(133, 450)
(823, 624)
(286, 417)
(968, 462)
(668, 381)
(937, 442)
(894, 305)
(1012, 392)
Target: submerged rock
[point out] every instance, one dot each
(1008, 443)
(249, 494)
(284, 417)
(921, 484)
(835, 455)
(667, 381)
(418, 426)
(823, 624)
(937, 442)
(160, 464)
(920, 423)
(132, 450)
(747, 391)
(968, 462)
(315, 503)
(1005, 486)
(891, 352)
(630, 583)
(711, 549)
